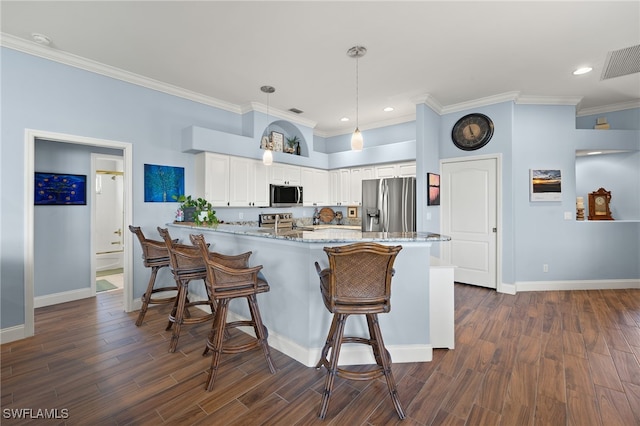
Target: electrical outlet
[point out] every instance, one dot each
(240, 215)
(545, 268)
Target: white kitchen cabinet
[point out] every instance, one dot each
(248, 185)
(358, 174)
(407, 169)
(339, 187)
(212, 178)
(284, 174)
(315, 184)
(441, 304)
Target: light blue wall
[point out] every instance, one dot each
(627, 119)
(501, 143)
(61, 236)
(545, 138)
(44, 95)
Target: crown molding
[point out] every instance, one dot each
(278, 113)
(489, 100)
(25, 46)
(429, 101)
(548, 100)
(609, 108)
(378, 124)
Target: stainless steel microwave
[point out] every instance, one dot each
(285, 196)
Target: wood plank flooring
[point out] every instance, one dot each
(547, 358)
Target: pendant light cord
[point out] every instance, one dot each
(357, 93)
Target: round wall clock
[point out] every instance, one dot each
(471, 132)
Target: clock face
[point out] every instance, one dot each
(600, 201)
(471, 132)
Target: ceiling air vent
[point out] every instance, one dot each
(296, 110)
(621, 62)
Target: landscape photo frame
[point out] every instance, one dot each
(545, 185)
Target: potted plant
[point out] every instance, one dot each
(204, 214)
(292, 141)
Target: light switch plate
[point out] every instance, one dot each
(568, 215)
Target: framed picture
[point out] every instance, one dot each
(433, 188)
(277, 139)
(352, 211)
(162, 183)
(60, 189)
(545, 185)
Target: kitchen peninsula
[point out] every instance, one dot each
(293, 311)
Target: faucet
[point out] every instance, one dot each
(276, 224)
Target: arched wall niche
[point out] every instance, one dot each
(289, 130)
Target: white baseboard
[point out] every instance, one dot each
(577, 285)
(11, 334)
(65, 296)
(349, 355)
(507, 288)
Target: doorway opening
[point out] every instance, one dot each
(108, 216)
(29, 222)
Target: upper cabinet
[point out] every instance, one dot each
(315, 183)
(356, 177)
(212, 178)
(407, 169)
(228, 181)
(284, 174)
(248, 184)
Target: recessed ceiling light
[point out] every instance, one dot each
(582, 70)
(41, 39)
(388, 109)
(344, 119)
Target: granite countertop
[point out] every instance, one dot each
(322, 234)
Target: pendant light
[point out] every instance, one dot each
(267, 156)
(357, 141)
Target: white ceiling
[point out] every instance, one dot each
(452, 53)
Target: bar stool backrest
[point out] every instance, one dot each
(359, 278)
(153, 252)
(225, 272)
(185, 260)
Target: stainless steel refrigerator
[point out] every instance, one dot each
(389, 205)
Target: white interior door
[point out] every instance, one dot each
(469, 217)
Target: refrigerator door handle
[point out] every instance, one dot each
(385, 206)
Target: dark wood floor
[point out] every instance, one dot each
(548, 358)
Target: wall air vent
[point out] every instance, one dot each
(296, 110)
(621, 62)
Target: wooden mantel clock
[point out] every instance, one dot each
(599, 205)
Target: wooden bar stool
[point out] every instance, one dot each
(155, 255)
(357, 282)
(187, 265)
(230, 277)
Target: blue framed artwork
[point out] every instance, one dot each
(162, 183)
(60, 189)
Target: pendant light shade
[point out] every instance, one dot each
(357, 142)
(267, 156)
